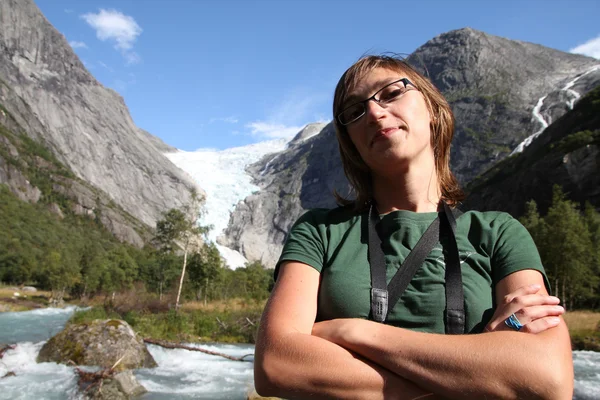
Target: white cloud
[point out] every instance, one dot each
(116, 27)
(106, 66)
(272, 131)
(132, 58)
(229, 120)
(297, 107)
(68, 10)
(292, 113)
(591, 48)
(77, 45)
(121, 85)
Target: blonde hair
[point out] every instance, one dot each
(442, 130)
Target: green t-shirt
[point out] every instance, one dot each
(492, 245)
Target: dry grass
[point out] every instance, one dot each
(8, 292)
(223, 305)
(24, 302)
(582, 320)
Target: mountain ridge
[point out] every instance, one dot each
(492, 118)
(61, 105)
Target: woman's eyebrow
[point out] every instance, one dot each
(353, 98)
(380, 84)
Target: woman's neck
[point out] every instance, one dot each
(416, 189)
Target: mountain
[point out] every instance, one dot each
(48, 95)
(494, 85)
(503, 93)
(567, 154)
(301, 177)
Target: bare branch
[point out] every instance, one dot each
(171, 345)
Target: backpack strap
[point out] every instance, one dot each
(384, 297)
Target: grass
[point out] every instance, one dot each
(584, 328)
(226, 321)
(24, 302)
(223, 305)
(582, 320)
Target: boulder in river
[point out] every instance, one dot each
(121, 386)
(99, 343)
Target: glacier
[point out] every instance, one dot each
(222, 175)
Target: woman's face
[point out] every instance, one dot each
(393, 135)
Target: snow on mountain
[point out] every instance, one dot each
(222, 175)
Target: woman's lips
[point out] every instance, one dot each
(383, 134)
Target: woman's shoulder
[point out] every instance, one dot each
(329, 216)
(492, 223)
(487, 217)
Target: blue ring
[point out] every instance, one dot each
(513, 322)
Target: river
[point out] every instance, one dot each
(180, 374)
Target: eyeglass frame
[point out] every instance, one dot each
(364, 102)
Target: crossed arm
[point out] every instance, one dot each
(356, 358)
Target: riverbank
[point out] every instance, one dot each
(231, 321)
(13, 299)
(223, 322)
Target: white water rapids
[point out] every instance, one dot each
(180, 374)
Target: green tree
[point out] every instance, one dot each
(205, 268)
(119, 270)
(59, 273)
(566, 248)
(191, 228)
(176, 231)
(592, 219)
(256, 280)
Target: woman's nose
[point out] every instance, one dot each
(373, 110)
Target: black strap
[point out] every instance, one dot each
(455, 303)
(384, 296)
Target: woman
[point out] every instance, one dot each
(316, 340)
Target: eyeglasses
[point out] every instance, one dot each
(388, 94)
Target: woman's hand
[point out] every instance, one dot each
(336, 330)
(536, 312)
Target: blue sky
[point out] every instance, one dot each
(220, 74)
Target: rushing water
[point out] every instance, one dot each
(180, 374)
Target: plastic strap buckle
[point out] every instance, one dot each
(379, 304)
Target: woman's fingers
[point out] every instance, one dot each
(522, 291)
(541, 324)
(530, 314)
(534, 319)
(520, 304)
(527, 306)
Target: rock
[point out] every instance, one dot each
(567, 153)
(255, 396)
(128, 384)
(123, 385)
(58, 303)
(48, 94)
(55, 209)
(100, 343)
(28, 289)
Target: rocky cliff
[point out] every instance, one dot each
(567, 154)
(494, 85)
(501, 91)
(48, 93)
(301, 177)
